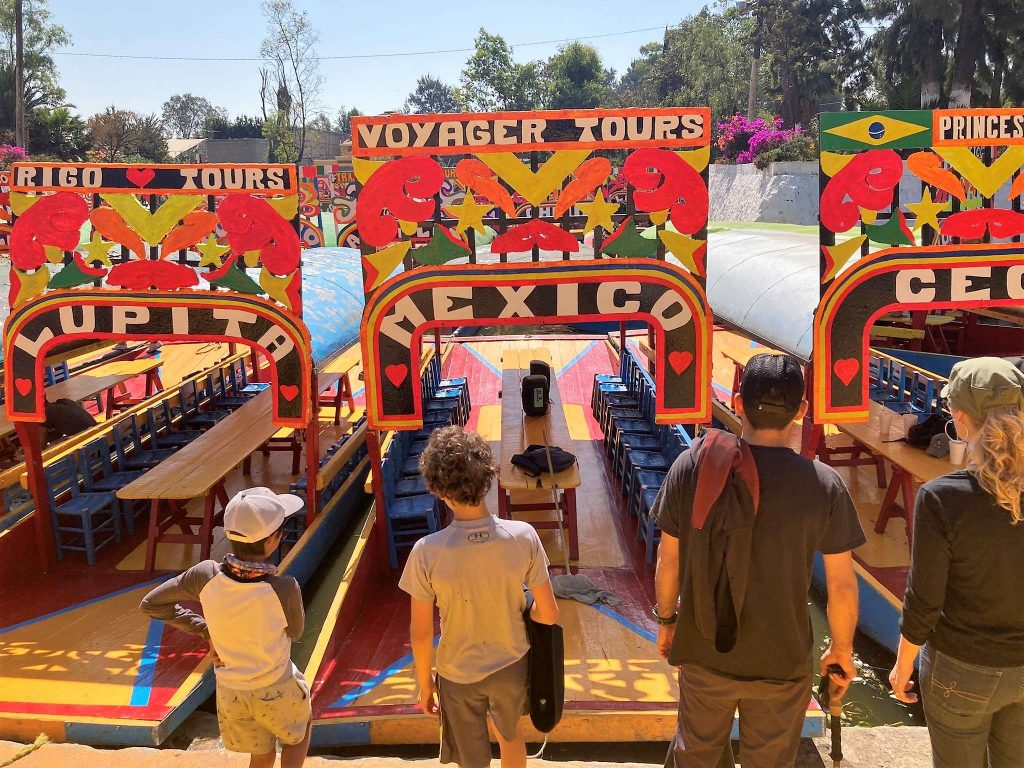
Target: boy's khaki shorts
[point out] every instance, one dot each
(253, 721)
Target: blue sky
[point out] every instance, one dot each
(234, 28)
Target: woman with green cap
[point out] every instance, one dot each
(965, 596)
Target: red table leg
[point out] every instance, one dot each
(152, 534)
(153, 383)
(206, 529)
(503, 503)
(569, 500)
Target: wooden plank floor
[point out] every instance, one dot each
(74, 648)
(617, 686)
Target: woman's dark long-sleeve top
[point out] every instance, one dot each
(965, 594)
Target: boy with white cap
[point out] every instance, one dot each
(250, 616)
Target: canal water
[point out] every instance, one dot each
(869, 701)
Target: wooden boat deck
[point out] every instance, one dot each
(80, 662)
(617, 686)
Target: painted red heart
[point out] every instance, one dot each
(24, 386)
(680, 361)
(140, 177)
(396, 373)
(846, 369)
(288, 391)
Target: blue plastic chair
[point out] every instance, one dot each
(94, 513)
(161, 428)
(191, 415)
(99, 476)
(409, 518)
(127, 438)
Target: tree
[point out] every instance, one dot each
(576, 78)
(290, 46)
(59, 134)
(118, 134)
(705, 60)
(910, 49)
(431, 97)
(491, 80)
(186, 116)
(343, 123)
(815, 50)
(41, 37)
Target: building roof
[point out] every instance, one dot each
(176, 147)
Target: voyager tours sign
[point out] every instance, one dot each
(397, 135)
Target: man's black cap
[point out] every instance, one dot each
(772, 383)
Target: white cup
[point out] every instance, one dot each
(874, 410)
(957, 452)
(909, 420)
(885, 423)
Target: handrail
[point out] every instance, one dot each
(911, 366)
(338, 461)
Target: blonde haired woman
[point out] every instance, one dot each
(965, 597)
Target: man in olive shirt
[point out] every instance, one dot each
(764, 670)
(475, 571)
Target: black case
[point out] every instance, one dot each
(535, 395)
(547, 671)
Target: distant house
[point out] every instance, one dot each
(321, 146)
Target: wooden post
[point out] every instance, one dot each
(622, 338)
(313, 457)
(380, 525)
(255, 361)
(437, 344)
(20, 125)
(31, 437)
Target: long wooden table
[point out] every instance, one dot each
(519, 431)
(199, 470)
(102, 379)
(910, 465)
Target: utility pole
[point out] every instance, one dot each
(20, 127)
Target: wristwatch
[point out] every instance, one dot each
(665, 621)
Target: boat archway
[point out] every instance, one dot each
(668, 298)
(64, 316)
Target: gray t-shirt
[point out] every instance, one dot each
(475, 571)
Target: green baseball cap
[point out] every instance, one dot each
(980, 384)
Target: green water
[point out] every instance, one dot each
(869, 701)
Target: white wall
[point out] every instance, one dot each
(785, 193)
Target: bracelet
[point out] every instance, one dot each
(665, 621)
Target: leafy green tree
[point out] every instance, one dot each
(294, 72)
(343, 122)
(118, 134)
(577, 79)
(41, 36)
(431, 97)
(186, 116)
(492, 80)
(58, 133)
(705, 60)
(910, 49)
(815, 54)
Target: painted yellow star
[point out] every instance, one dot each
(211, 252)
(469, 214)
(598, 213)
(97, 249)
(926, 211)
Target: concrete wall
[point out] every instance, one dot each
(783, 192)
(786, 193)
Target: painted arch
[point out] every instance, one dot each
(668, 297)
(58, 317)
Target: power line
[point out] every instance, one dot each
(356, 55)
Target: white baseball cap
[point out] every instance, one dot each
(256, 513)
